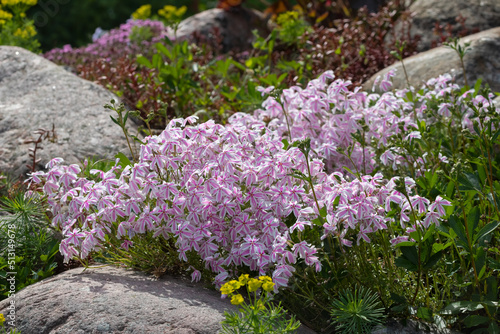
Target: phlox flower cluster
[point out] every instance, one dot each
(453, 108)
(106, 44)
(222, 192)
(226, 193)
(338, 120)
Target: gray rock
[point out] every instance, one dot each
(235, 27)
(479, 14)
(34, 94)
(482, 61)
(117, 300)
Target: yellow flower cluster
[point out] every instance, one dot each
(172, 12)
(19, 2)
(4, 17)
(142, 13)
(2, 319)
(253, 284)
(25, 33)
(286, 17)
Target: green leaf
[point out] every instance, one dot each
(318, 221)
(406, 244)
(286, 144)
(493, 264)
(115, 121)
(458, 227)
(450, 189)
(495, 136)
(163, 49)
(493, 328)
(462, 306)
(424, 313)
(475, 320)
(410, 253)
(349, 170)
(124, 161)
(402, 262)
(336, 201)
(433, 260)
(126, 117)
(480, 261)
(144, 61)
(473, 220)
(492, 288)
(138, 140)
(482, 173)
(429, 232)
(487, 229)
(238, 65)
(469, 181)
(477, 86)
(323, 212)
(282, 77)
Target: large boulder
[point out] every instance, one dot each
(114, 300)
(35, 93)
(479, 15)
(234, 27)
(482, 61)
(117, 300)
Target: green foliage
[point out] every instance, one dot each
(28, 248)
(291, 27)
(146, 253)
(358, 311)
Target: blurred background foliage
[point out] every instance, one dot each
(61, 22)
(73, 22)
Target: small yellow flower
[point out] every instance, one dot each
(268, 286)
(244, 279)
(142, 12)
(226, 289)
(237, 299)
(171, 12)
(31, 31)
(265, 279)
(254, 284)
(5, 15)
(2, 319)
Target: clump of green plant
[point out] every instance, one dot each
(15, 28)
(291, 27)
(28, 248)
(146, 253)
(358, 311)
(259, 315)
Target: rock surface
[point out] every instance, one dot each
(482, 61)
(235, 27)
(411, 327)
(479, 14)
(34, 94)
(116, 300)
